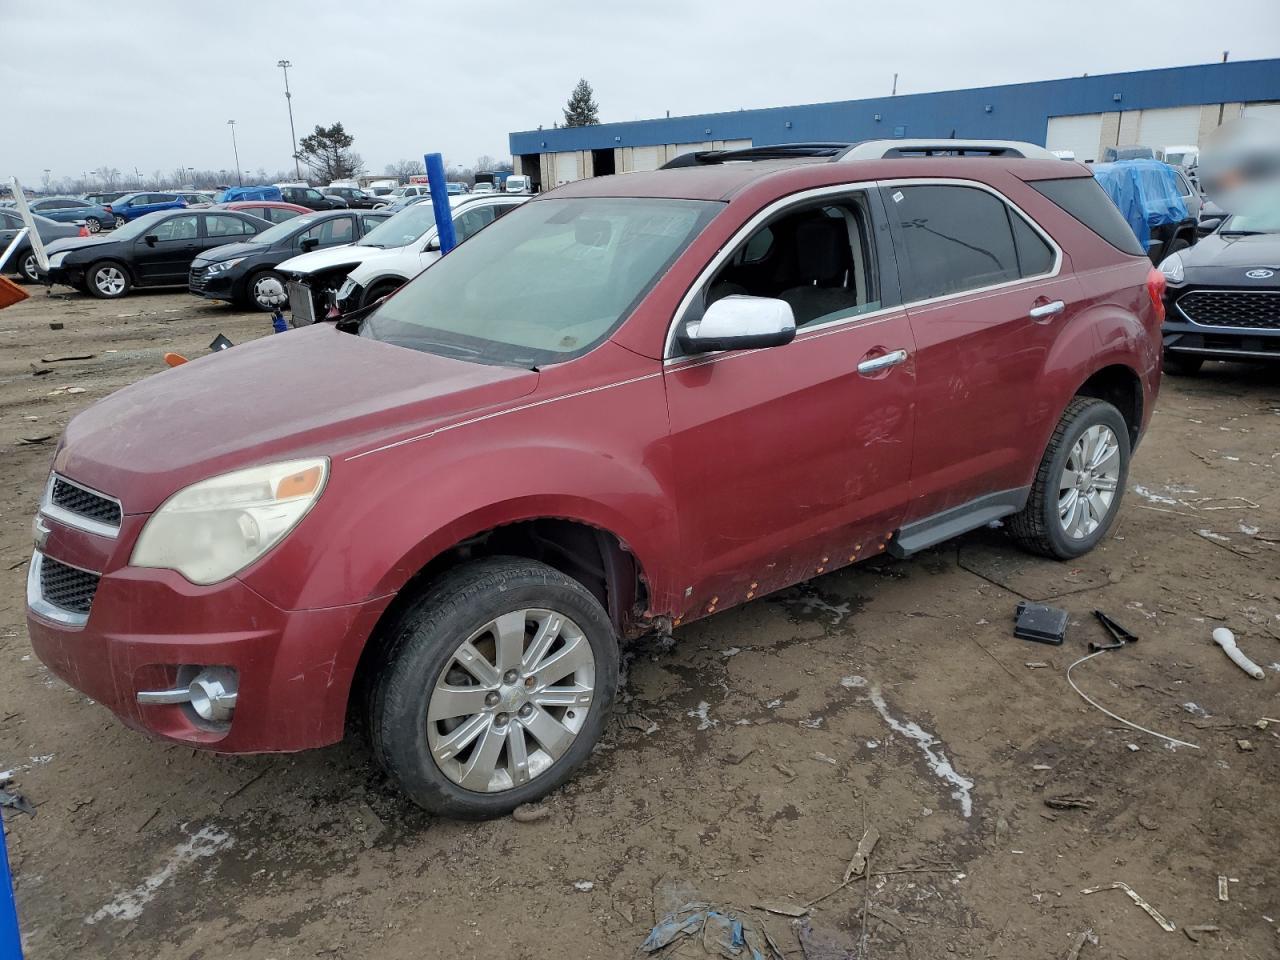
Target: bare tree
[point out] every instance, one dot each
(109, 177)
(404, 169)
(485, 164)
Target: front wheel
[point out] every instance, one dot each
(28, 268)
(94, 224)
(1076, 492)
(267, 290)
(494, 688)
(383, 288)
(107, 280)
(120, 222)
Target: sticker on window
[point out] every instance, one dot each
(897, 196)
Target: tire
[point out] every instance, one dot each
(120, 222)
(27, 268)
(94, 224)
(261, 286)
(1040, 526)
(380, 289)
(471, 780)
(1182, 365)
(107, 280)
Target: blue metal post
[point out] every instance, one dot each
(440, 201)
(10, 937)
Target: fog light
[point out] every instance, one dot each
(213, 694)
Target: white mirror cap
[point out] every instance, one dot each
(738, 315)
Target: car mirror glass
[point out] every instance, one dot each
(740, 323)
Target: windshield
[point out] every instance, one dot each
(139, 226)
(546, 282)
(1260, 221)
(282, 230)
(404, 228)
(1176, 158)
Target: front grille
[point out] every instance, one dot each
(66, 587)
(1249, 309)
(198, 278)
(84, 503)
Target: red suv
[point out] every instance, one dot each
(633, 402)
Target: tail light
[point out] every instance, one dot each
(1155, 290)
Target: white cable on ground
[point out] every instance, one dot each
(1113, 716)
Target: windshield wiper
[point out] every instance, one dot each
(1241, 233)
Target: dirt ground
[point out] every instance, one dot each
(747, 758)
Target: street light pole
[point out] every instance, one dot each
(232, 124)
(288, 99)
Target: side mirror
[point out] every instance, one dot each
(740, 323)
(309, 243)
(1208, 225)
(151, 239)
(433, 244)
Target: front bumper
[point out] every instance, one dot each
(68, 275)
(219, 286)
(141, 626)
(1256, 337)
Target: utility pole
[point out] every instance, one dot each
(138, 173)
(894, 93)
(232, 124)
(288, 99)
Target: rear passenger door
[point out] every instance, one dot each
(987, 296)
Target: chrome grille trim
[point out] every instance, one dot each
(72, 495)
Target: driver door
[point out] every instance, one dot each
(167, 259)
(791, 461)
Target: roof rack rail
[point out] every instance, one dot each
(780, 151)
(866, 150)
(893, 149)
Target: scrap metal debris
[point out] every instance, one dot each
(858, 865)
(17, 801)
(1086, 937)
(1151, 911)
(781, 908)
(1224, 892)
(1193, 932)
(1070, 803)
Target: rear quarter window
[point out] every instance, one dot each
(1087, 202)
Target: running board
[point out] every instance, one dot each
(929, 531)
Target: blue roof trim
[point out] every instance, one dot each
(1018, 111)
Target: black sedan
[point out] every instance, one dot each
(1222, 300)
(154, 250)
(23, 261)
(244, 273)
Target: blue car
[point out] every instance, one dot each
(134, 205)
(70, 209)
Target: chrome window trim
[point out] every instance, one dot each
(68, 519)
(743, 232)
(1216, 326)
(41, 607)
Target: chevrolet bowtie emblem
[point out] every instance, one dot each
(41, 533)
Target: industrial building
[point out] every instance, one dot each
(1176, 105)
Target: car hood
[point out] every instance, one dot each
(317, 260)
(309, 392)
(78, 243)
(231, 251)
(1221, 250)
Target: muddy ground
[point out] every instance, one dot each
(748, 759)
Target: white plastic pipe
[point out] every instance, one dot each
(1227, 641)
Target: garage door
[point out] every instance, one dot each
(645, 158)
(1079, 134)
(1262, 111)
(1163, 128)
(567, 167)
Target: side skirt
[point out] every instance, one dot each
(952, 522)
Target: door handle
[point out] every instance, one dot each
(882, 362)
(1044, 311)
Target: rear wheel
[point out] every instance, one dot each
(27, 268)
(1077, 490)
(1182, 365)
(93, 223)
(120, 222)
(495, 686)
(107, 280)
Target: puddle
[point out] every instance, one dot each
(128, 905)
(700, 713)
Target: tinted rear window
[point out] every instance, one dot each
(1085, 200)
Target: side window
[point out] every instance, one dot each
(313, 195)
(177, 228)
(955, 239)
(819, 258)
(503, 209)
(1034, 255)
(329, 233)
(277, 215)
(473, 220)
(9, 221)
(371, 220)
(216, 226)
(163, 198)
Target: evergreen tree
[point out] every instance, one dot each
(582, 110)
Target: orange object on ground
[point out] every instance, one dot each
(174, 359)
(10, 293)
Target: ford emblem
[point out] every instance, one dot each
(1260, 274)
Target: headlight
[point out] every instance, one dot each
(222, 266)
(1171, 267)
(57, 258)
(217, 527)
(344, 291)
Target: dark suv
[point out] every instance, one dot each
(311, 198)
(632, 402)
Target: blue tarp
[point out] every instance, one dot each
(1146, 191)
(251, 193)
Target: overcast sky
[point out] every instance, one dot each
(152, 85)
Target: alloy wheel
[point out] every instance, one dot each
(511, 700)
(120, 222)
(93, 225)
(1088, 485)
(109, 280)
(29, 267)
